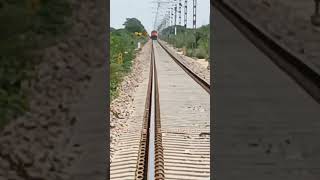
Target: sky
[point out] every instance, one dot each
(144, 10)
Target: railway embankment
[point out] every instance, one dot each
(122, 107)
(37, 144)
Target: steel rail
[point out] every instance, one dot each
(150, 164)
(151, 150)
(300, 70)
(159, 160)
(193, 75)
(142, 160)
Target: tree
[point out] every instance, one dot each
(112, 29)
(133, 25)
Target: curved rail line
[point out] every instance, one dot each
(193, 75)
(303, 72)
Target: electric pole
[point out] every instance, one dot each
(194, 24)
(175, 19)
(168, 19)
(194, 14)
(185, 13)
(171, 17)
(180, 11)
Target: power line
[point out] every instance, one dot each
(156, 18)
(159, 3)
(173, 15)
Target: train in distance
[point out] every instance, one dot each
(154, 35)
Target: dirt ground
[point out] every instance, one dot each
(198, 66)
(122, 107)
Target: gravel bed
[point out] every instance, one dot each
(193, 64)
(122, 108)
(288, 21)
(37, 145)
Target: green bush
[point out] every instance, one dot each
(188, 38)
(133, 25)
(189, 53)
(115, 77)
(200, 53)
(123, 41)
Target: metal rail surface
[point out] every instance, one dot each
(147, 165)
(142, 161)
(301, 71)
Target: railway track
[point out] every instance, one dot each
(150, 158)
(304, 73)
(174, 141)
(157, 155)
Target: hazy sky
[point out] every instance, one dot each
(144, 10)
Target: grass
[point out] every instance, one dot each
(26, 26)
(124, 42)
(195, 43)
